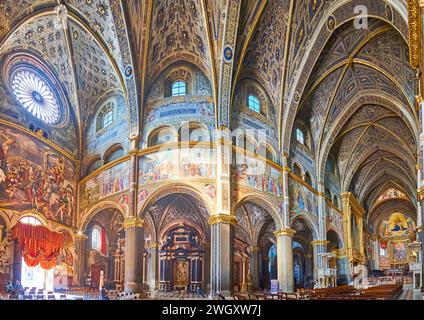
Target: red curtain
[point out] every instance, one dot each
(103, 241)
(38, 244)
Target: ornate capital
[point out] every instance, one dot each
(285, 232)
(254, 249)
(222, 218)
(133, 222)
(80, 236)
(319, 242)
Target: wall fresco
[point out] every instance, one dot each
(34, 176)
(107, 183)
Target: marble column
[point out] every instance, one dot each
(134, 247)
(254, 266)
(222, 258)
(285, 259)
(80, 241)
(343, 270)
(153, 266)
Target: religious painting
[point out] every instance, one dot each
(391, 193)
(34, 176)
(396, 226)
(257, 175)
(181, 273)
(116, 179)
(400, 252)
(197, 162)
(158, 166)
(355, 233)
(172, 163)
(107, 183)
(210, 191)
(335, 219)
(302, 200)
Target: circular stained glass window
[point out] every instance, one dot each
(36, 95)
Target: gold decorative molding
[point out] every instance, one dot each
(222, 218)
(133, 222)
(415, 39)
(285, 232)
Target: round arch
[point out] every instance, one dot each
(265, 204)
(309, 223)
(170, 189)
(95, 210)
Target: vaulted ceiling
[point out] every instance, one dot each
(354, 87)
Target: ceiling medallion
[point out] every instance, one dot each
(35, 95)
(228, 54)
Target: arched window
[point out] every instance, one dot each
(114, 153)
(328, 194)
(96, 238)
(160, 136)
(254, 104)
(106, 116)
(308, 178)
(179, 88)
(300, 136)
(30, 220)
(335, 201)
(297, 170)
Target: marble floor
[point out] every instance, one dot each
(409, 294)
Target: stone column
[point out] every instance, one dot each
(153, 266)
(222, 257)
(343, 270)
(134, 247)
(254, 266)
(285, 259)
(80, 241)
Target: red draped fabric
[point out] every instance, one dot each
(38, 244)
(103, 241)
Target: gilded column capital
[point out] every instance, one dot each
(153, 245)
(222, 218)
(319, 242)
(254, 249)
(133, 222)
(80, 236)
(285, 232)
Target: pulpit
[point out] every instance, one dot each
(326, 276)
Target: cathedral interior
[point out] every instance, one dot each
(228, 147)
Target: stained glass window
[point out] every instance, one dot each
(36, 95)
(179, 88)
(254, 104)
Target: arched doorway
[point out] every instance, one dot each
(303, 258)
(181, 262)
(104, 252)
(255, 253)
(33, 277)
